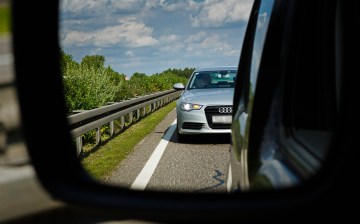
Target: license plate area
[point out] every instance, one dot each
(221, 119)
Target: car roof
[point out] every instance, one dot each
(215, 68)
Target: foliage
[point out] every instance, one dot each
(140, 84)
(5, 23)
(93, 61)
(186, 72)
(86, 87)
(89, 84)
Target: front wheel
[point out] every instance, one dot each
(180, 136)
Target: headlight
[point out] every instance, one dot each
(190, 106)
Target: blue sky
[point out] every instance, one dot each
(154, 35)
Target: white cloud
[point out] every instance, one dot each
(172, 48)
(152, 3)
(128, 33)
(210, 44)
(218, 13)
(128, 5)
(170, 43)
(198, 37)
(214, 44)
(95, 51)
(172, 6)
(154, 32)
(192, 5)
(133, 63)
(130, 53)
(169, 38)
(81, 5)
(101, 6)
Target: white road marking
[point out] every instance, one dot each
(229, 180)
(144, 176)
(6, 59)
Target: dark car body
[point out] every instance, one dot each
(287, 105)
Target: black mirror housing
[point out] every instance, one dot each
(50, 146)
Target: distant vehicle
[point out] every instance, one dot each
(205, 106)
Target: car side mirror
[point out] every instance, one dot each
(179, 86)
(50, 145)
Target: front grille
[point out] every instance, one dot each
(192, 125)
(214, 110)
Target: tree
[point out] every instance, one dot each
(66, 61)
(93, 61)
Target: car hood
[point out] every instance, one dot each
(209, 96)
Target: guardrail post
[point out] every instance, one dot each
(138, 114)
(98, 135)
(112, 129)
(130, 118)
(78, 145)
(79, 120)
(122, 122)
(143, 111)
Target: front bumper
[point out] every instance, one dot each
(198, 122)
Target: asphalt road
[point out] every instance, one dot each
(197, 165)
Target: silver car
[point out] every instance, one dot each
(205, 106)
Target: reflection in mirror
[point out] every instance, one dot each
(120, 61)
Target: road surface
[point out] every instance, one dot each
(160, 162)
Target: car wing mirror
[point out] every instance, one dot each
(52, 152)
(179, 86)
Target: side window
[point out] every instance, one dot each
(264, 15)
(262, 25)
(248, 72)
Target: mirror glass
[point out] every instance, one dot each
(120, 61)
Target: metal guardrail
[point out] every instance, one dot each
(94, 119)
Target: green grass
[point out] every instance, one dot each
(107, 157)
(4, 19)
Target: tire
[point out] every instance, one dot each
(180, 137)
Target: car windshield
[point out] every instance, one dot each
(212, 79)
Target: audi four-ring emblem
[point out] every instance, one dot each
(225, 110)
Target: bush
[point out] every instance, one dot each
(86, 88)
(88, 84)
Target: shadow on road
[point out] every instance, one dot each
(203, 139)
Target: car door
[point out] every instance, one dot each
(238, 180)
(287, 100)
